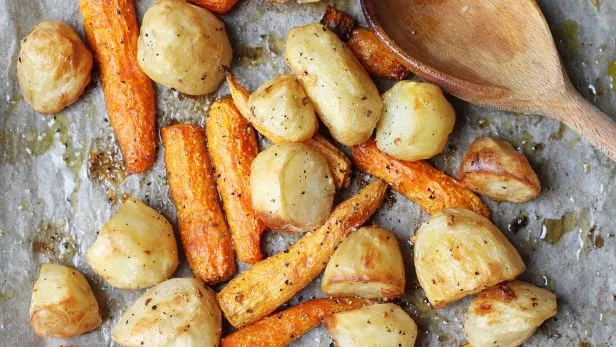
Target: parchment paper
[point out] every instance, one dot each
(53, 202)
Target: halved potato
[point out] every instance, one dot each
(63, 304)
(281, 106)
(416, 121)
(178, 312)
(136, 248)
(367, 264)
(292, 188)
(508, 314)
(458, 253)
(495, 169)
(376, 325)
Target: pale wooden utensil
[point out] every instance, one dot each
(494, 53)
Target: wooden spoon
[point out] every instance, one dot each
(494, 53)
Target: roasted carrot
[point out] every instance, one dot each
(203, 230)
(284, 327)
(426, 186)
(218, 6)
(111, 28)
(260, 290)
(339, 164)
(232, 146)
(339, 22)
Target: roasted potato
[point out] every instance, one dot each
(136, 248)
(111, 28)
(343, 94)
(419, 181)
(367, 264)
(183, 46)
(292, 187)
(268, 284)
(495, 169)
(416, 122)
(53, 67)
(178, 312)
(63, 304)
(280, 329)
(375, 325)
(458, 253)
(281, 106)
(508, 314)
(218, 6)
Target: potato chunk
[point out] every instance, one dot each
(183, 46)
(136, 248)
(63, 304)
(416, 122)
(178, 312)
(292, 188)
(367, 264)
(376, 325)
(458, 253)
(508, 314)
(495, 169)
(281, 107)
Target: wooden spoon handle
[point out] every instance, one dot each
(587, 120)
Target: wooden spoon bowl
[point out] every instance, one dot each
(494, 53)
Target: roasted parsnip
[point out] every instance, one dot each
(426, 186)
(258, 291)
(111, 28)
(282, 328)
(233, 146)
(339, 164)
(367, 264)
(203, 230)
(508, 314)
(63, 304)
(458, 253)
(218, 6)
(495, 169)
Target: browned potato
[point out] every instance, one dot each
(507, 315)
(367, 264)
(495, 169)
(458, 253)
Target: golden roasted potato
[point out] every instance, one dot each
(178, 312)
(416, 121)
(53, 67)
(367, 264)
(184, 46)
(281, 106)
(343, 94)
(508, 314)
(291, 187)
(136, 248)
(63, 304)
(375, 325)
(495, 169)
(458, 253)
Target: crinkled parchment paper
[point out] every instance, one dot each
(59, 181)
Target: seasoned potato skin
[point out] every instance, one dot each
(375, 56)
(495, 169)
(367, 264)
(232, 145)
(280, 329)
(218, 6)
(111, 28)
(508, 314)
(426, 186)
(135, 249)
(458, 253)
(258, 291)
(344, 96)
(203, 230)
(373, 326)
(177, 312)
(63, 304)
